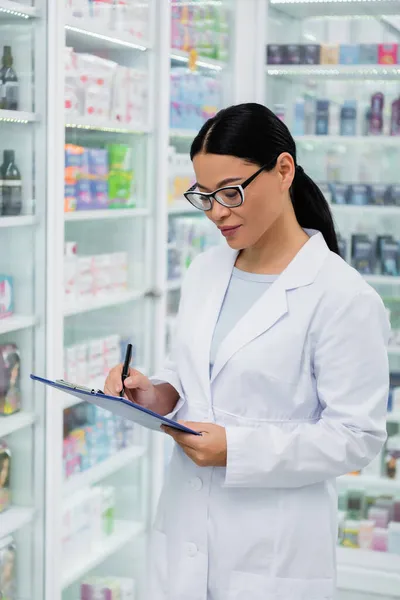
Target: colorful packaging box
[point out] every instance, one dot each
(349, 54)
(387, 54)
(329, 54)
(6, 296)
(10, 379)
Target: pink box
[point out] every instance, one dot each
(387, 54)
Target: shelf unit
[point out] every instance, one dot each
(16, 322)
(369, 572)
(107, 214)
(13, 423)
(14, 519)
(93, 124)
(211, 64)
(19, 117)
(124, 532)
(302, 9)
(82, 30)
(363, 72)
(100, 301)
(17, 10)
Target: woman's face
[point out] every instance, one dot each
(266, 198)
(4, 471)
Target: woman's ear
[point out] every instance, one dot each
(286, 169)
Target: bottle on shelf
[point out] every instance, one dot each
(10, 185)
(8, 81)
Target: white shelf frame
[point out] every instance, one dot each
(15, 518)
(12, 423)
(19, 117)
(104, 469)
(124, 532)
(201, 61)
(106, 214)
(363, 72)
(384, 484)
(99, 301)
(19, 221)
(16, 322)
(83, 29)
(369, 572)
(16, 9)
(377, 140)
(304, 9)
(107, 126)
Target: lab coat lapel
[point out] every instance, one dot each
(272, 305)
(215, 289)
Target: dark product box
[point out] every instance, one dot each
(276, 54)
(392, 195)
(311, 54)
(322, 117)
(349, 54)
(368, 54)
(293, 54)
(339, 192)
(388, 251)
(378, 194)
(10, 379)
(359, 194)
(362, 254)
(5, 470)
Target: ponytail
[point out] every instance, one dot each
(311, 208)
(252, 132)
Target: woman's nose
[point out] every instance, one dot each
(219, 212)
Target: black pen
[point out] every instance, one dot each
(125, 368)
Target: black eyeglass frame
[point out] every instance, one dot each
(213, 195)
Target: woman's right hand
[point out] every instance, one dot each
(138, 387)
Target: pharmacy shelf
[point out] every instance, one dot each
(382, 280)
(394, 350)
(378, 211)
(383, 484)
(124, 532)
(201, 61)
(20, 117)
(369, 572)
(393, 417)
(180, 208)
(303, 9)
(174, 285)
(334, 140)
(20, 221)
(100, 301)
(183, 133)
(16, 322)
(102, 215)
(82, 32)
(102, 470)
(375, 72)
(16, 9)
(91, 124)
(15, 518)
(11, 423)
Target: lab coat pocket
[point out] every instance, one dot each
(248, 586)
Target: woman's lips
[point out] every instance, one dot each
(228, 231)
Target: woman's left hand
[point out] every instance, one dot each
(206, 450)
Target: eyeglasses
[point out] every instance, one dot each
(231, 196)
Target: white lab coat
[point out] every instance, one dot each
(301, 385)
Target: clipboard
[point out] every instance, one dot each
(116, 405)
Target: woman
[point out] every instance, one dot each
(279, 362)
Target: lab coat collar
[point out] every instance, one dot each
(272, 305)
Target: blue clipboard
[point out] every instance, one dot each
(118, 406)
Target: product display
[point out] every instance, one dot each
(8, 574)
(369, 521)
(195, 98)
(92, 360)
(6, 296)
(181, 176)
(10, 375)
(10, 185)
(130, 17)
(108, 588)
(9, 84)
(5, 471)
(98, 178)
(188, 237)
(88, 518)
(315, 116)
(92, 275)
(91, 435)
(332, 54)
(101, 89)
(201, 27)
